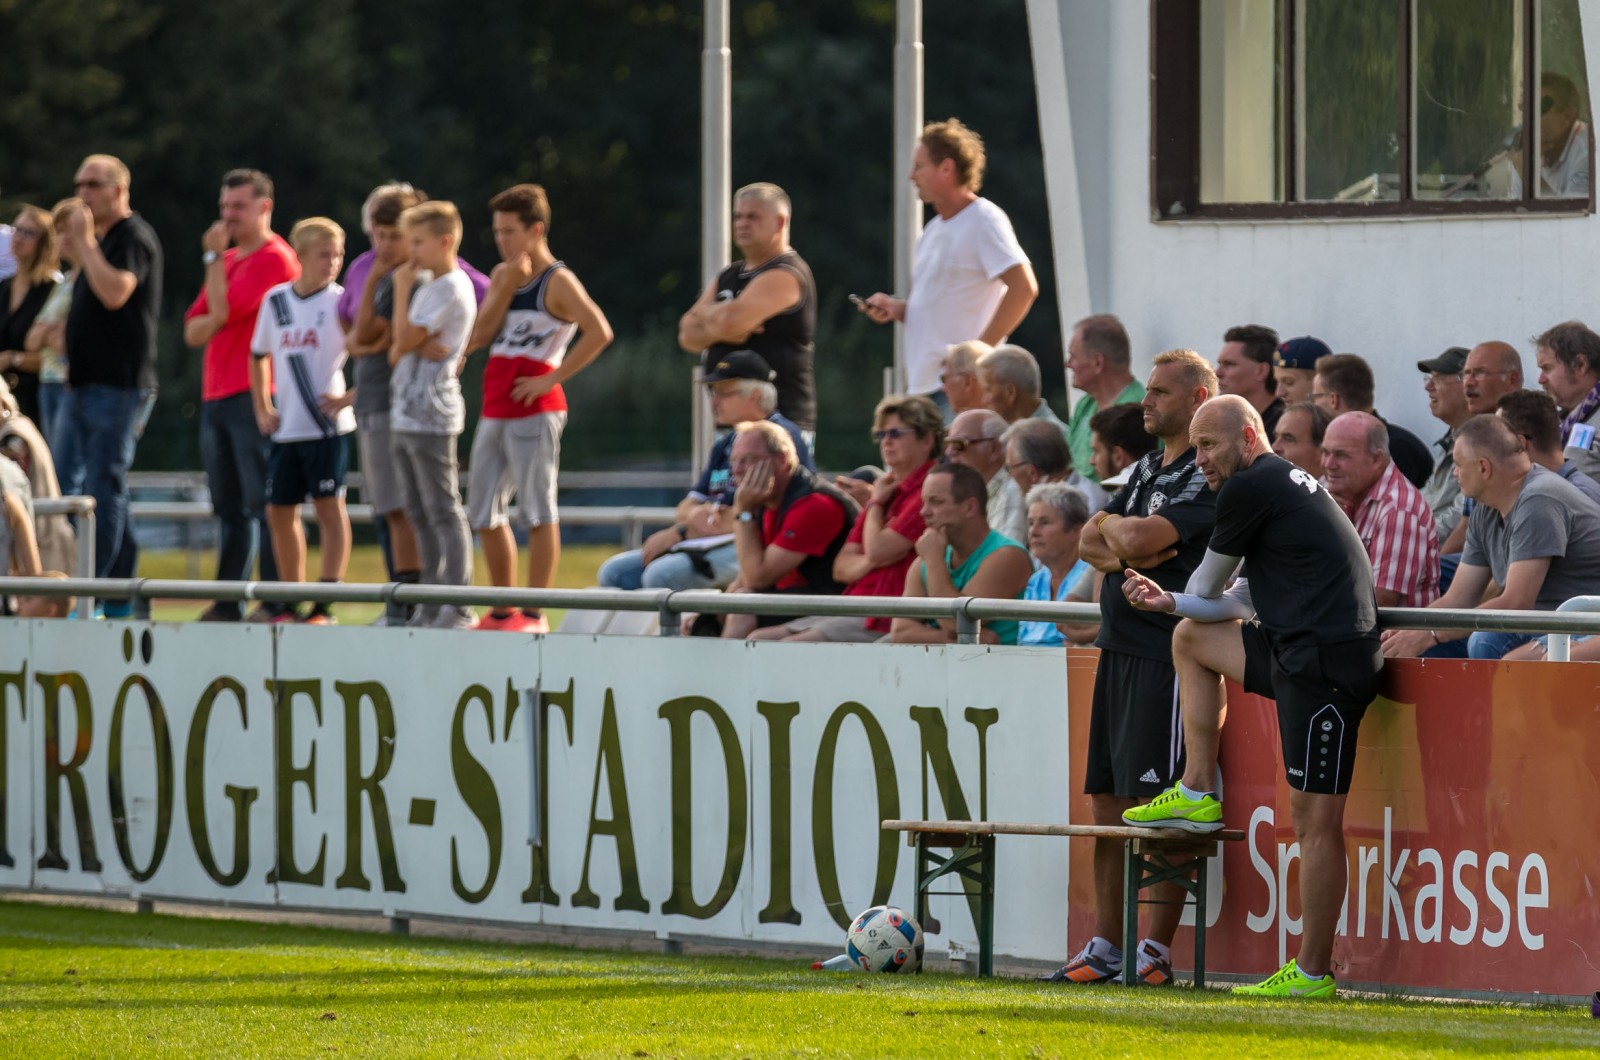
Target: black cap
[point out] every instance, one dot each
(740, 364)
(1450, 362)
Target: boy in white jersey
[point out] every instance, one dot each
(434, 308)
(298, 341)
(528, 318)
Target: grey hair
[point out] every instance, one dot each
(1014, 365)
(392, 188)
(1068, 501)
(1039, 442)
(774, 197)
(765, 394)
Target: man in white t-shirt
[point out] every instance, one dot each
(970, 278)
(299, 336)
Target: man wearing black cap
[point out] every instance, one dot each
(1296, 367)
(1447, 401)
(697, 552)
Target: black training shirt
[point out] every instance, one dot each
(1178, 493)
(1310, 579)
(117, 347)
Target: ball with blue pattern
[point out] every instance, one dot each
(885, 939)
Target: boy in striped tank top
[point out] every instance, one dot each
(534, 308)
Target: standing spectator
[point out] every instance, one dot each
(1097, 360)
(1245, 368)
(111, 345)
(244, 258)
(1569, 371)
(970, 278)
(1490, 370)
(299, 341)
(1117, 441)
(767, 303)
(1295, 367)
(1390, 514)
(958, 375)
(22, 296)
(1012, 386)
(1535, 419)
(1158, 523)
(534, 307)
(697, 551)
(434, 308)
(1531, 532)
(1447, 401)
(789, 525)
(1056, 514)
(1036, 452)
(1301, 429)
(910, 435)
(974, 440)
(1344, 384)
(960, 555)
(47, 337)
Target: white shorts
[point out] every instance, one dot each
(380, 483)
(520, 456)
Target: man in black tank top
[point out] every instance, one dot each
(766, 303)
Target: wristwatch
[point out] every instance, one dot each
(208, 257)
(745, 517)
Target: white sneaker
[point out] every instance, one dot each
(453, 617)
(425, 616)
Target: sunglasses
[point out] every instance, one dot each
(893, 433)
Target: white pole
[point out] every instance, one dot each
(907, 127)
(716, 179)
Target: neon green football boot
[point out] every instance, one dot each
(1290, 982)
(1173, 809)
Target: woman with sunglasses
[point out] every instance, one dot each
(47, 338)
(33, 242)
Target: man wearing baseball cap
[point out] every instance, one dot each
(1296, 365)
(1447, 401)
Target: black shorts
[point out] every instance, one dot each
(1322, 692)
(1135, 728)
(314, 468)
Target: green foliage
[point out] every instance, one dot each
(80, 982)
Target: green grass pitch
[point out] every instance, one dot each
(82, 982)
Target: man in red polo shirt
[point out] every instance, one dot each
(223, 320)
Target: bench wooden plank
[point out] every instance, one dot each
(1090, 831)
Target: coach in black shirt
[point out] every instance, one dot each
(1313, 647)
(111, 346)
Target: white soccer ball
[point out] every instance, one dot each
(885, 939)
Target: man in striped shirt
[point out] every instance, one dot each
(1391, 516)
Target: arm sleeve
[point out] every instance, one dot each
(1235, 602)
(1211, 577)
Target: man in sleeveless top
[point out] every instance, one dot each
(961, 556)
(534, 307)
(766, 303)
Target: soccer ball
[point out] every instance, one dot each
(885, 939)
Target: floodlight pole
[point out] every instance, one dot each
(716, 184)
(908, 85)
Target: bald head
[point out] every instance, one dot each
(1228, 414)
(1357, 429)
(1227, 436)
(1355, 454)
(1492, 369)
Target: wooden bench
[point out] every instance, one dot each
(1151, 856)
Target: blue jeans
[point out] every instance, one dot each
(1482, 645)
(234, 452)
(98, 428)
(51, 396)
(675, 570)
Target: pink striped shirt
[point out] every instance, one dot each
(1395, 524)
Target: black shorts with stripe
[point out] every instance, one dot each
(1322, 692)
(1135, 728)
(310, 469)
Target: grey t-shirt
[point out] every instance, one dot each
(424, 395)
(1550, 518)
(13, 480)
(371, 374)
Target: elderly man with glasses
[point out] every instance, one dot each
(974, 440)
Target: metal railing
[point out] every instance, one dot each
(967, 612)
(1560, 648)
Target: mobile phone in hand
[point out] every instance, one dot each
(859, 302)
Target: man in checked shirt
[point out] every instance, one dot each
(1391, 516)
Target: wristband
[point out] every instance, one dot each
(1103, 517)
(683, 531)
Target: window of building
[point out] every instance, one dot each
(1305, 108)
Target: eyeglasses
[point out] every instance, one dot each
(945, 377)
(893, 433)
(960, 445)
(1479, 373)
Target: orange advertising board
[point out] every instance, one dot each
(1472, 832)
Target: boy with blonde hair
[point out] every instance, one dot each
(298, 342)
(434, 310)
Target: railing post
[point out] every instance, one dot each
(86, 565)
(669, 617)
(967, 627)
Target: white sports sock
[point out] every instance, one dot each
(1150, 949)
(1105, 950)
(1190, 793)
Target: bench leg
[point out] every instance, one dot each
(1200, 873)
(1133, 864)
(986, 907)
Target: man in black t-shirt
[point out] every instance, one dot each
(1160, 522)
(111, 349)
(1313, 647)
(766, 303)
